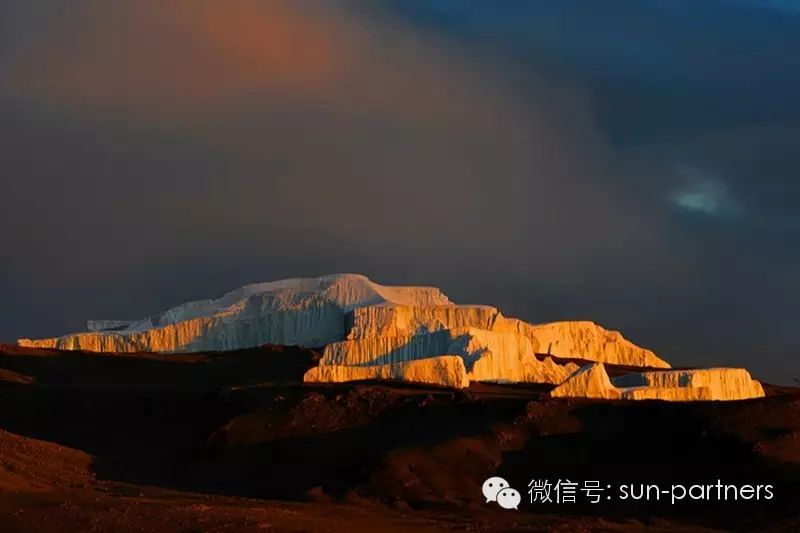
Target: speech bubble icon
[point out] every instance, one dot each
(509, 499)
(492, 486)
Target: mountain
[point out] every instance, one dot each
(368, 330)
(302, 311)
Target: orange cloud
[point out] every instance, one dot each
(187, 58)
(172, 54)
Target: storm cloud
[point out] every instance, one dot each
(160, 151)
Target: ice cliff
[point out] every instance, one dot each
(592, 381)
(372, 331)
(487, 355)
(447, 371)
(314, 312)
(304, 312)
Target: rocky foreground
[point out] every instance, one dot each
(237, 442)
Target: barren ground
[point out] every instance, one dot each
(235, 442)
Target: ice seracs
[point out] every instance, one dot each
(372, 331)
(446, 371)
(302, 311)
(592, 381)
(487, 355)
(314, 312)
(447, 358)
(587, 340)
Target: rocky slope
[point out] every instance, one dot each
(233, 441)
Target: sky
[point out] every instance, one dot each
(632, 162)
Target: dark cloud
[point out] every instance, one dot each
(157, 152)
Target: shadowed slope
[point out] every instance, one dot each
(224, 425)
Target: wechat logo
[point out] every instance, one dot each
(497, 489)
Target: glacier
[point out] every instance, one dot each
(307, 312)
(701, 384)
(315, 312)
(445, 371)
(371, 331)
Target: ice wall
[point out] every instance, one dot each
(304, 311)
(722, 384)
(447, 371)
(584, 340)
(315, 326)
(379, 319)
(373, 331)
(590, 381)
(396, 320)
(576, 339)
(487, 355)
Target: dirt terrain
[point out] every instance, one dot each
(235, 442)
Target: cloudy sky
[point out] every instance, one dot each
(633, 162)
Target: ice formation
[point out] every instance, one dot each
(373, 331)
(446, 370)
(487, 355)
(314, 312)
(592, 381)
(304, 312)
